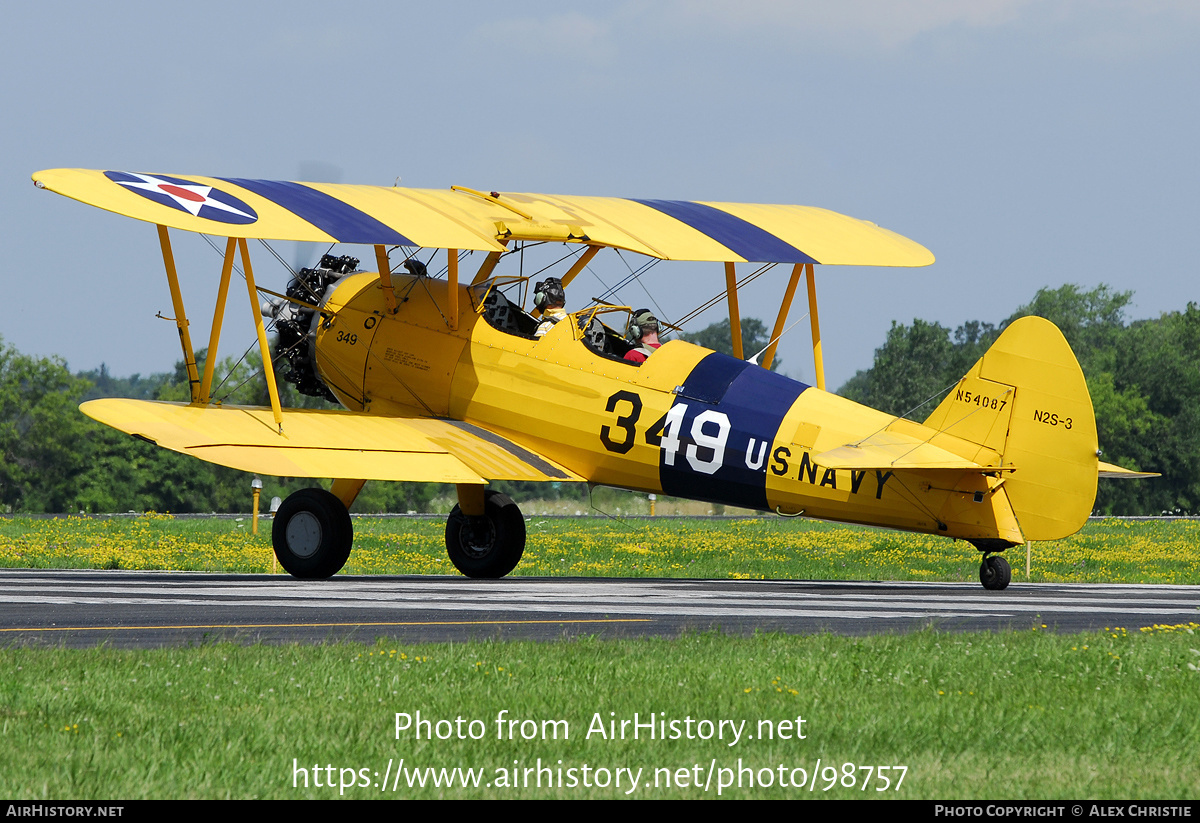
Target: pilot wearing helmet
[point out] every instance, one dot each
(551, 298)
(643, 331)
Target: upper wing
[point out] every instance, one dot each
(318, 443)
(464, 219)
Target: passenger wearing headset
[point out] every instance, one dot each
(551, 298)
(643, 331)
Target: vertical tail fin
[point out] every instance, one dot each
(1026, 399)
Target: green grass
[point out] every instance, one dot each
(1013, 715)
(1109, 551)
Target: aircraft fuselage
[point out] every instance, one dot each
(688, 422)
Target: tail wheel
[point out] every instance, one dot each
(312, 534)
(489, 546)
(995, 573)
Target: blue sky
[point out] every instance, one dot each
(1026, 143)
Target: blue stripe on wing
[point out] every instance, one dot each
(332, 216)
(739, 236)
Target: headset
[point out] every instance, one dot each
(640, 318)
(549, 292)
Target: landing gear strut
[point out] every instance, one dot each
(312, 534)
(489, 545)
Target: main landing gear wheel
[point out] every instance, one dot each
(312, 534)
(489, 546)
(995, 573)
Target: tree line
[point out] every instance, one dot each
(56, 459)
(1142, 375)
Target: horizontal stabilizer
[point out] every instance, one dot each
(319, 443)
(1111, 472)
(891, 450)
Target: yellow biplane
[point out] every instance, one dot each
(445, 379)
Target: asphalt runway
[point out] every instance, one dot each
(152, 609)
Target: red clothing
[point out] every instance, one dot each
(639, 355)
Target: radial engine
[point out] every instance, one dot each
(296, 320)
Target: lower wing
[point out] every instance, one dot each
(319, 443)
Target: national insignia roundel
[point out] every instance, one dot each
(194, 198)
